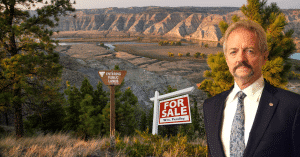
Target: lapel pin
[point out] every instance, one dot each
(271, 104)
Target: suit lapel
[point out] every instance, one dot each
(219, 110)
(267, 106)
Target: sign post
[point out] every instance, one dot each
(112, 78)
(156, 110)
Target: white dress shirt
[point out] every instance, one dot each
(251, 102)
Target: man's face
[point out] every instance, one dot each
(243, 56)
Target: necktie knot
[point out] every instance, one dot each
(241, 95)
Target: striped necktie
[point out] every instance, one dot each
(237, 139)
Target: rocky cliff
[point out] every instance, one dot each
(182, 22)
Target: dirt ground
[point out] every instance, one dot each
(106, 36)
(155, 51)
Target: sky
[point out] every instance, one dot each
(94, 4)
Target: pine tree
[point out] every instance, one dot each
(106, 120)
(50, 120)
(143, 125)
(86, 88)
(221, 80)
(150, 118)
(90, 124)
(197, 119)
(73, 108)
(84, 109)
(280, 47)
(100, 98)
(223, 27)
(126, 107)
(29, 68)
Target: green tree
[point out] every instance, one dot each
(86, 88)
(280, 47)
(126, 107)
(100, 99)
(197, 119)
(90, 120)
(143, 125)
(235, 18)
(150, 118)
(223, 26)
(51, 120)
(29, 67)
(73, 107)
(221, 79)
(196, 128)
(84, 110)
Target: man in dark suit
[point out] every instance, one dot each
(253, 118)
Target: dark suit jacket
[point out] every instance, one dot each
(275, 131)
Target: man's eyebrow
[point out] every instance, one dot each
(251, 47)
(244, 48)
(233, 48)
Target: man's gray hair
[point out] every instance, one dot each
(251, 26)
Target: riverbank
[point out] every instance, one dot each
(154, 51)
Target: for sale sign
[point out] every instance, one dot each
(175, 111)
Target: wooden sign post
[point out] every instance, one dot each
(112, 78)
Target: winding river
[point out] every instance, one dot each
(112, 47)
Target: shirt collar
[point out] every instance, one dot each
(251, 91)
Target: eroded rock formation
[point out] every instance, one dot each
(182, 22)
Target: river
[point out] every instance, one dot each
(112, 47)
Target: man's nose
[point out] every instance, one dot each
(241, 56)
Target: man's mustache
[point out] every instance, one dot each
(243, 63)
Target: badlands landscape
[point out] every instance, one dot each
(199, 23)
(148, 66)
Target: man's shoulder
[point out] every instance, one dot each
(285, 96)
(217, 97)
(279, 92)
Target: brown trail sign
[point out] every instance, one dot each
(112, 78)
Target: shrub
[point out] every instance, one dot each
(197, 55)
(166, 43)
(180, 54)
(155, 145)
(161, 43)
(171, 54)
(202, 55)
(206, 45)
(172, 43)
(293, 76)
(188, 54)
